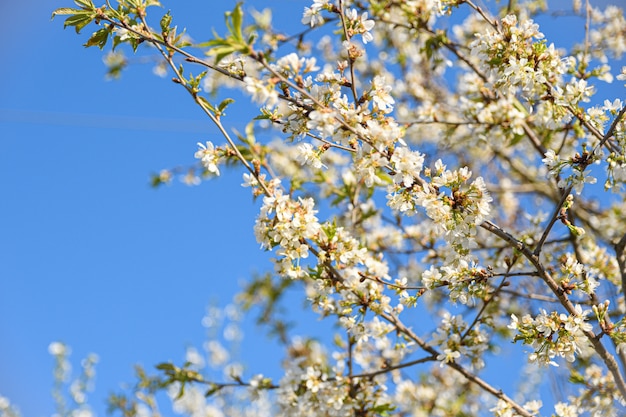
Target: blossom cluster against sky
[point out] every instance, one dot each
(91, 255)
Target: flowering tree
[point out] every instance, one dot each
(426, 171)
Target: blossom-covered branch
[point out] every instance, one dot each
(414, 157)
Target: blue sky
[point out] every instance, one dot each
(90, 254)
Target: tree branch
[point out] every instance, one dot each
(600, 349)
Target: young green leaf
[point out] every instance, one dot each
(205, 103)
(237, 20)
(98, 38)
(65, 11)
(79, 20)
(166, 21)
(222, 106)
(166, 366)
(85, 4)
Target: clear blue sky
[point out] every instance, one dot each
(90, 254)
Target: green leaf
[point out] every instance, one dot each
(252, 38)
(134, 43)
(79, 21)
(166, 21)
(250, 139)
(236, 19)
(213, 388)
(515, 140)
(85, 4)
(383, 409)
(98, 38)
(576, 377)
(166, 366)
(180, 40)
(434, 43)
(155, 180)
(182, 391)
(65, 11)
(113, 14)
(330, 230)
(222, 48)
(222, 106)
(194, 82)
(222, 52)
(205, 103)
(234, 42)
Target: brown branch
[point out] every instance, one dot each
(600, 349)
(393, 319)
(480, 11)
(553, 219)
(537, 297)
(393, 368)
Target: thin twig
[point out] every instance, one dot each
(488, 19)
(350, 61)
(213, 118)
(492, 296)
(553, 219)
(393, 319)
(611, 130)
(537, 297)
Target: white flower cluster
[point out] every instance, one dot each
(466, 282)
(312, 15)
(552, 335)
(455, 213)
(437, 394)
(460, 342)
(311, 387)
(262, 92)
(359, 25)
(288, 224)
(406, 165)
(308, 155)
(515, 58)
(209, 157)
(375, 346)
(504, 409)
(579, 174)
(345, 289)
(575, 277)
(380, 95)
(608, 36)
(597, 395)
(573, 92)
(599, 264)
(292, 65)
(77, 387)
(7, 409)
(500, 117)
